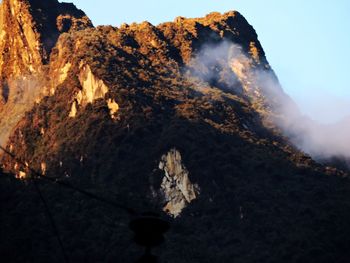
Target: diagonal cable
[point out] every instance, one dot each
(51, 219)
(127, 209)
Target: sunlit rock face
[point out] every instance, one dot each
(113, 108)
(29, 29)
(63, 73)
(176, 186)
(93, 89)
(135, 73)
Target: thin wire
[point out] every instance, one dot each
(129, 210)
(51, 219)
(66, 185)
(48, 214)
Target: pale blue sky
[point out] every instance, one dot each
(307, 42)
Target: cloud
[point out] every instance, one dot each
(211, 65)
(228, 67)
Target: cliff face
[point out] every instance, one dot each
(177, 118)
(199, 70)
(176, 186)
(29, 30)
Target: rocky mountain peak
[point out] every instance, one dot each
(29, 29)
(190, 34)
(36, 25)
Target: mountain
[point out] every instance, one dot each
(179, 119)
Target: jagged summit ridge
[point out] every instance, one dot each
(141, 73)
(39, 23)
(142, 68)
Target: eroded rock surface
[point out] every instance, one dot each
(176, 186)
(93, 89)
(29, 29)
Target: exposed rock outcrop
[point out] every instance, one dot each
(93, 89)
(113, 108)
(176, 186)
(29, 29)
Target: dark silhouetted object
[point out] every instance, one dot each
(148, 258)
(149, 229)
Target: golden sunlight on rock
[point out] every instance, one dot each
(93, 88)
(21, 175)
(43, 168)
(254, 52)
(73, 111)
(113, 107)
(63, 73)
